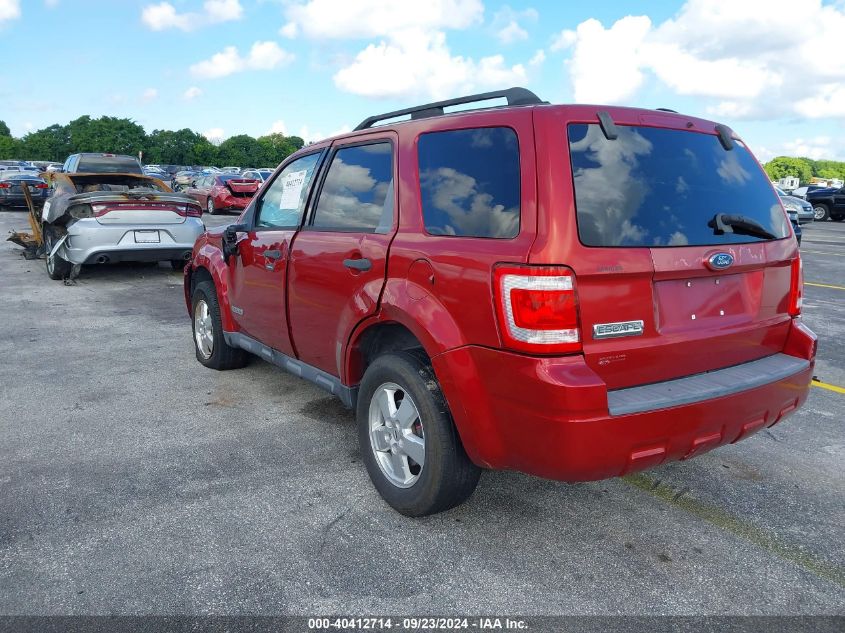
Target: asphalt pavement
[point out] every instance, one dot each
(135, 481)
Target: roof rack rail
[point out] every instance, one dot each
(515, 96)
(666, 110)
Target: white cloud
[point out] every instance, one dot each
(150, 94)
(342, 19)
(312, 137)
(9, 10)
(815, 148)
(828, 101)
(163, 16)
(289, 30)
(507, 27)
(419, 63)
(262, 56)
(278, 127)
(538, 58)
(215, 134)
(563, 40)
(599, 73)
(192, 93)
(752, 59)
(511, 32)
(50, 4)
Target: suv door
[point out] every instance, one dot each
(259, 271)
(338, 260)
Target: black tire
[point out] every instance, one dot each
(178, 264)
(448, 477)
(222, 356)
(209, 206)
(821, 212)
(57, 268)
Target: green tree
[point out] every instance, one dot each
(276, 147)
(4, 129)
(106, 134)
(172, 148)
(51, 143)
(829, 169)
(784, 166)
(9, 148)
(240, 151)
(204, 153)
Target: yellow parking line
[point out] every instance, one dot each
(807, 283)
(824, 385)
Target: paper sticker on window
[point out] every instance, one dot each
(292, 184)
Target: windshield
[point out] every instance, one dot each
(654, 187)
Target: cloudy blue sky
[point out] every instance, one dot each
(772, 69)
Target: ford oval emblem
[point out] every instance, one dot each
(720, 261)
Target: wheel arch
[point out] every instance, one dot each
(208, 265)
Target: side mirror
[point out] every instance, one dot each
(230, 240)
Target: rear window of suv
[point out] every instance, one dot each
(108, 165)
(655, 187)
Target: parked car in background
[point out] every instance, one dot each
(501, 289)
(802, 209)
(157, 173)
(53, 167)
(182, 179)
(93, 163)
(796, 224)
(827, 203)
(12, 184)
(104, 218)
(260, 175)
(223, 192)
(801, 192)
(231, 170)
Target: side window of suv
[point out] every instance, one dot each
(282, 204)
(357, 194)
(470, 182)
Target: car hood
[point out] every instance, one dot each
(795, 200)
(822, 192)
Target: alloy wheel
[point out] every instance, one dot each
(397, 438)
(203, 329)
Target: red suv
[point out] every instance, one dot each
(575, 292)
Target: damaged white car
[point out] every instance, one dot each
(106, 218)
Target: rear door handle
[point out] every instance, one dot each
(274, 254)
(362, 264)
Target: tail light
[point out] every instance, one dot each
(183, 210)
(796, 287)
(42, 185)
(5, 185)
(537, 308)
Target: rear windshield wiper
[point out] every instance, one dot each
(725, 223)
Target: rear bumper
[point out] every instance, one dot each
(19, 199)
(552, 417)
(232, 202)
(90, 242)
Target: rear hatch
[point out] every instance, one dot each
(129, 199)
(684, 256)
(135, 207)
(242, 187)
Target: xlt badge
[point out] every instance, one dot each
(612, 330)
